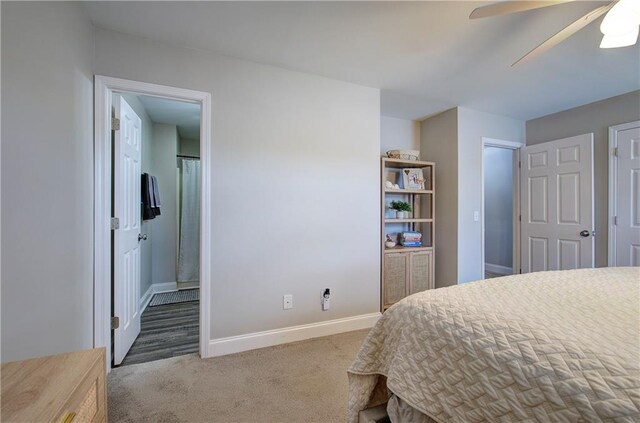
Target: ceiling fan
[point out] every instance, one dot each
(620, 26)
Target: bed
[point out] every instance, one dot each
(559, 346)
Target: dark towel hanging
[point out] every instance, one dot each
(147, 198)
(156, 196)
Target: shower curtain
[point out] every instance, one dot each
(189, 253)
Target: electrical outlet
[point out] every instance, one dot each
(287, 302)
(476, 216)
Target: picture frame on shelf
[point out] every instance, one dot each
(413, 178)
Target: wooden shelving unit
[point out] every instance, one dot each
(407, 270)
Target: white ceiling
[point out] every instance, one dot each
(424, 56)
(186, 116)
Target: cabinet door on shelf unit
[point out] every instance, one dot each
(395, 277)
(421, 277)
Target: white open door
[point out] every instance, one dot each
(126, 258)
(627, 207)
(557, 205)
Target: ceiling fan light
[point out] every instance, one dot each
(615, 41)
(623, 17)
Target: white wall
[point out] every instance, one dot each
(472, 126)
(399, 134)
(498, 206)
(293, 154)
(189, 147)
(164, 245)
(146, 262)
(594, 117)
(47, 179)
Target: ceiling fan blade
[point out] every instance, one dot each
(566, 33)
(506, 7)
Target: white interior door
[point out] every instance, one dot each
(557, 205)
(627, 227)
(126, 286)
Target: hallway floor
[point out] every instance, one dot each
(166, 331)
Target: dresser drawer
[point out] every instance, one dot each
(85, 405)
(67, 388)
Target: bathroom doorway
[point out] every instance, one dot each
(152, 221)
(157, 145)
(501, 200)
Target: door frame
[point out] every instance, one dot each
(613, 189)
(515, 147)
(104, 87)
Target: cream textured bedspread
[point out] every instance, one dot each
(541, 347)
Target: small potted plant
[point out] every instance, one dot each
(389, 242)
(403, 209)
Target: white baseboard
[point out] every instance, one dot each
(188, 285)
(500, 270)
(144, 301)
(164, 287)
(251, 341)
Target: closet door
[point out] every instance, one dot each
(557, 205)
(627, 227)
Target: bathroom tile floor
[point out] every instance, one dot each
(166, 331)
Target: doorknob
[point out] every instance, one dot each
(585, 233)
(142, 237)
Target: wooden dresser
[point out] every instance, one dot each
(61, 388)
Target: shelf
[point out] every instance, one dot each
(408, 191)
(401, 249)
(399, 164)
(408, 220)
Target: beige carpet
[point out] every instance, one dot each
(300, 382)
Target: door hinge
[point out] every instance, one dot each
(115, 223)
(520, 218)
(115, 322)
(615, 220)
(615, 151)
(519, 164)
(115, 124)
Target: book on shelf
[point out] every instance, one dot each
(411, 236)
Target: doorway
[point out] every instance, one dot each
(500, 204)
(128, 280)
(156, 164)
